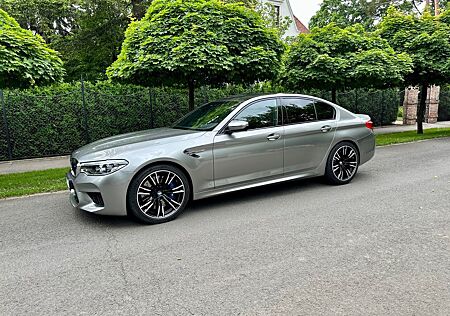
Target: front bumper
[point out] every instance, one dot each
(104, 195)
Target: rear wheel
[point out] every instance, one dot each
(158, 194)
(342, 164)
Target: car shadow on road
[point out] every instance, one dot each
(243, 196)
(269, 191)
(86, 218)
(259, 193)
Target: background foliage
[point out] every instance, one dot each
(50, 121)
(25, 59)
(426, 39)
(343, 58)
(197, 42)
(366, 12)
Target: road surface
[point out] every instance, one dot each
(377, 246)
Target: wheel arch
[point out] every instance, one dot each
(162, 162)
(351, 141)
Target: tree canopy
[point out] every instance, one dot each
(87, 33)
(426, 39)
(343, 58)
(25, 59)
(197, 42)
(94, 42)
(366, 12)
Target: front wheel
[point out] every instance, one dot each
(342, 163)
(158, 194)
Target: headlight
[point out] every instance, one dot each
(102, 168)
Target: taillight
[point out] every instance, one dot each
(369, 125)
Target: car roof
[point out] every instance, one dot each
(255, 96)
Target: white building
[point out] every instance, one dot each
(283, 8)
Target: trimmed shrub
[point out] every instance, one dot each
(52, 120)
(444, 104)
(380, 105)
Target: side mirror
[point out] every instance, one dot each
(236, 126)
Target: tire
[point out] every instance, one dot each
(158, 194)
(342, 164)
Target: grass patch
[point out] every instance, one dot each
(411, 136)
(18, 184)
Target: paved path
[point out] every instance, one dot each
(404, 128)
(63, 161)
(16, 166)
(379, 246)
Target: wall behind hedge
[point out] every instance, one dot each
(55, 120)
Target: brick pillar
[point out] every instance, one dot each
(410, 105)
(431, 113)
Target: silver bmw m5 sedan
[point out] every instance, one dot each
(231, 144)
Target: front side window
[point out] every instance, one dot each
(260, 114)
(299, 110)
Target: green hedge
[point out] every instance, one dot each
(50, 121)
(444, 104)
(380, 105)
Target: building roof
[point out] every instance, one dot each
(300, 26)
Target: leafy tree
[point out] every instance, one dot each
(87, 33)
(139, 7)
(248, 3)
(268, 13)
(95, 42)
(339, 58)
(197, 42)
(427, 40)
(25, 59)
(366, 12)
(48, 18)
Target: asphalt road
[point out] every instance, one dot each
(377, 246)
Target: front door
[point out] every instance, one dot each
(255, 153)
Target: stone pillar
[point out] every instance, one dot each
(410, 105)
(431, 113)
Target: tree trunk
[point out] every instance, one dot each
(333, 95)
(422, 107)
(436, 7)
(191, 86)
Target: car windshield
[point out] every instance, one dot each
(208, 116)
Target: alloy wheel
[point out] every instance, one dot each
(345, 163)
(160, 194)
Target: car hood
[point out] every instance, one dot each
(112, 146)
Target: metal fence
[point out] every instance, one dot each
(49, 125)
(36, 124)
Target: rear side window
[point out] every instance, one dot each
(299, 111)
(325, 111)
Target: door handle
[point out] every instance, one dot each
(326, 128)
(273, 137)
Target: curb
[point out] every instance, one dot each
(31, 195)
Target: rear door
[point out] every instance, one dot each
(254, 154)
(309, 129)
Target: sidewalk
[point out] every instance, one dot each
(404, 128)
(25, 165)
(16, 166)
